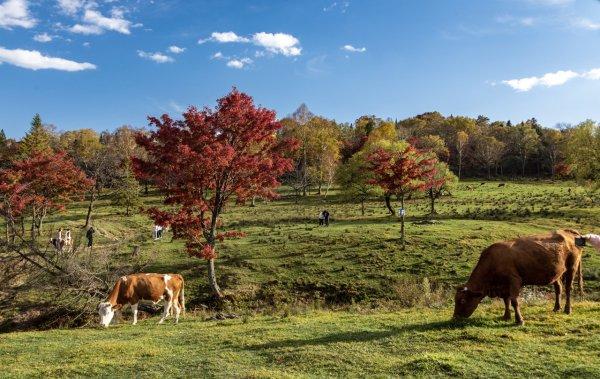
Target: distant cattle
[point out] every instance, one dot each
(505, 267)
(131, 289)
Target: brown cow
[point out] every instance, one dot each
(131, 289)
(505, 267)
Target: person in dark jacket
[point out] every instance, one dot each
(90, 237)
(326, 217)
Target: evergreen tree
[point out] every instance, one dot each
(127, 191)
(37, 140)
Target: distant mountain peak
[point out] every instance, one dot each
(302, 115)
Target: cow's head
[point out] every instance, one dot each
(466, 301)
(106, 312)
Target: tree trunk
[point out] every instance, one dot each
(459, 164)
(212, 278)
(145, 188)
(362, 207)
(319, 189)
(432, 199)
(402, 213)
(388, 203)
(88, 217)
(253, 204)
(523, 167)
(33, 234)
(489, 175)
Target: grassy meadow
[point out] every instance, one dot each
(338, 300)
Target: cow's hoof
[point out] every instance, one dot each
(556, 309)
(568, 311)
(506, 317)
(519, 322)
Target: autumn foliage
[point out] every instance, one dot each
(207, 159)
(400, 172)
(41, 184)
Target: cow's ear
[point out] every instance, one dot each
(475, 293)
(461, 288)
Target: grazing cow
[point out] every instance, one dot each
(131, 289)
(505, 267)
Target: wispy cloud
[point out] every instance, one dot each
(176, 49)
(70, 7)
(96, 23)
(353, 49)
(585, 23)
(15, 13)
(224, 37)
(43, 38)
(156, 57)
(239, 63)
(341, 6)
(550, 79)
(176, 107)
(516, 21)
(34, 60)
(276, 43)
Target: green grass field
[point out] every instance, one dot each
(342, 300)
(415, 342)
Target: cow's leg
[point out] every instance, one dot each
(517, 307)
(168, 303)
(506, 316)
(514, 292)
(134, 310)
(557, 292)
(166, 311)
(177, 310)
(568, 286)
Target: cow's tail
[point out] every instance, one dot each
(182, 297)
(580, 278)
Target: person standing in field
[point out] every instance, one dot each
(321, 218)
(326, 217)
(90, 237)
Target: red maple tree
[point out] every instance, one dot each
(40, 184)
(208, 158)
(400, 173)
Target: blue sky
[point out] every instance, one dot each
(106, 63)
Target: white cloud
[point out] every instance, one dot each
(86, 29)
(550, 79)
(586, 24)
(176, 49)
(44, 37)
(593, 74)
(217, 55)
(224, 37)
(278, 43)
(34, 60)
(96, 23)
(239, 63)
(16, 13)
(353, 49)
(70, 7)
(156, 57)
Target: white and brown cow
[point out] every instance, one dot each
(131, 289)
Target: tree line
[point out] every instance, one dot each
(333, 152)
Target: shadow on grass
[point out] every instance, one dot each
(361, 336)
